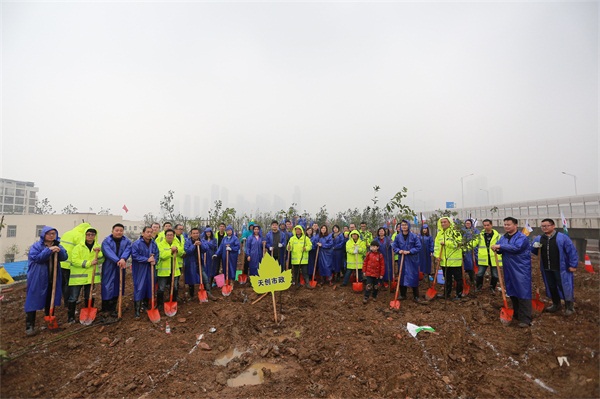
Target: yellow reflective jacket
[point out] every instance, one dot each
(81, 264)
(72, 238)
(300, 247)
(451, 255)
(164, 265)
(354, 261)
(483, 251)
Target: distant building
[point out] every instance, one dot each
(17, 197)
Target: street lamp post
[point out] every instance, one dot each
(414, 203)
(462, 186)
(488, 195)
(574, 180)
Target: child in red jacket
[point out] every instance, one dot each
(373, 269)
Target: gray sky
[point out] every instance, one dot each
(105, 104)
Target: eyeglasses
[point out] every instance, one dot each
(546, 225)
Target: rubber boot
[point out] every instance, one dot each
(479, 283)
(493, 282)
(160, 300)
(30, 324)
(105, 306)
(137, 307)
(145, 305)
(113, 307)
(569, 306)
(191, 289)
(175, 295)
(210, 296)
(71, 312)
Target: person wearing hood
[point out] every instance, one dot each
(193, 252)
(144, 253)
(40, 273)
(219, 236)
(386, 249)
(339, 247)
(355, 252)
(276, 240)
(84, 256)
(558, 262)
(254, 250)
(426, 251)
(470, 236)
(312, 254)
(116, 249)
(449, 255)
(246, 233)
(229, 245)
(408, 244)
(299, 246)
(167, 250)
(485, 256)
(208, 248)
(325, 261)
(516, 264)
(69, 241)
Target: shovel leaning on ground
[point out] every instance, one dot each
(227, 287)
(243, 277)
(51, 319)
(153, 313)
(466, 285)
(119, 308)
(358, 286)
(506, 314)
(432, 292)
(313, 282)
(202, 296)
(395, 304)
(171, 306)
(88, 315)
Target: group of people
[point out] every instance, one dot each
(161, 256)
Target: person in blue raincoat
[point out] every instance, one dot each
(386, 249)
(470, 236)
(426, 251)
(193, 252)
(275, 242)
(208, 248)
(116, 249)
(325, 261)
(40, 273)
(144, 254)
(255, 246)
(339, 253)
(516, 262)
(558, 263)
(408, 243)
(312, 254)
(230, 247)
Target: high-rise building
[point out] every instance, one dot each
(17, 197)
(297, 197)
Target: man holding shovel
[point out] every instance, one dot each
(193, 251)
(485, 256)
(449, 256)
(84, 257)
(116, 249)
(299, 247)
(40, 274)
(144, 253)
(167, 249)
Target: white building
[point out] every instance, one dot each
(17, 197)
(20, 231)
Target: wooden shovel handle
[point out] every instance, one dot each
(173, 261)
(316, 263)
(501, 278)
(93, 278)
(399, 277)
(54, 262)
(200, 266)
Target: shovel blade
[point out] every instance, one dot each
(313, 283)
(357, 287)
(226, 289)
(537, 305)
(154, 315)
(589, 269)
(243, 278)
(506, 315)
(466, 289)
(171, 308)
(394, 284)
(421, 275)
(87, 316)
(395, 304)
(202, 296)
(430, 293)
(51, 322)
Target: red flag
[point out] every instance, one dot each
(125, 208)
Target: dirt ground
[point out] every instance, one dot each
(328, 345)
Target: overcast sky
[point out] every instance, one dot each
(112, 103)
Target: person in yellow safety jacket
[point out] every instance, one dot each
(84, 257)
(485, 256)
(69, 240)
(161, 235)
(355, 253)
(299, 245)
(448, 252)
(180, 241)
(168, 250)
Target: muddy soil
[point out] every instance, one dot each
(328, 345)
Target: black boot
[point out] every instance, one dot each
(71, 312)
(175, 292)
(145, 305)
(105, 306)
(113, 307)
(191, 288)
(570, 310)
(210, 296)
(160, 300)
(30, 324)
(479, 283)
(137, 306)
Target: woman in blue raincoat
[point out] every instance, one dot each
(385, 247)
(312, 235)
(208, 248)
(255, 245)
(338, 254)
(470, 235)
(426, 251)
(40, 273)
(230, 244)
(325, 261)
(407, 243)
